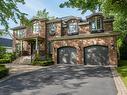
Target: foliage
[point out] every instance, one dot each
(2, 61)
(123, 52)
(10, 11)
(43, 62)
(6, 57)
(2, 51)
(3, 71)
(43, 14)
(116, 8)
(122, 70)
(37, 57)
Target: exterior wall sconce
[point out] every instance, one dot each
(113, 46)
(80, 47)
(54, 49)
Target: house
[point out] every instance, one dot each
(6, 41)
(70, 40)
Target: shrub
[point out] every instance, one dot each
(3, 71)
(2, 51)
(43, 62)
(37, 57)
(5, 60)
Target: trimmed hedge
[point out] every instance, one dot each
(43, 63)
(3, 71)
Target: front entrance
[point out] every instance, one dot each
(96, 55)
(67, 55)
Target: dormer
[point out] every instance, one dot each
(70, 25)
(38, 26)
(96, 22)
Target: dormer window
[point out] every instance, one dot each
(73, 28)
(97, 25)
(36, 27)
(52, 29)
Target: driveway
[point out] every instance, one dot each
(61, 80)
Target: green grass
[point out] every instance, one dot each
(122, 70)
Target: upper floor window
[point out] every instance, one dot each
(20, 33)
(36, 27)
(52, 29)
(97, 25)
(73, 28)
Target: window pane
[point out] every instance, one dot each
(36, 27)
(72, 28)
(98, 24)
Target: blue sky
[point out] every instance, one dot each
(52, 6)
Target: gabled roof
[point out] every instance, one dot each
(5, 42)
(69, 18)
(94, 14)
(40, 19)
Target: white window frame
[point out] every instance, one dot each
(20, 33)
(36, 27)
(97, 24)
(73, 25)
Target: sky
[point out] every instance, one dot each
(52, 6)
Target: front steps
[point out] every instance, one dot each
(23, 60)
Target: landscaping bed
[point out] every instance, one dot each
(43, 62)
(122, 70)
(3, 71)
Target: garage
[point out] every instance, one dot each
(66, 55)
(96, 55)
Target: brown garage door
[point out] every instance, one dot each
(66, 55)
(96, 55)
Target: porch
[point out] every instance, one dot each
(29, 46)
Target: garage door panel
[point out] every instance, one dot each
(66, 55)
(96, 55)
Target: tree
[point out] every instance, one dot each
(10, 11)
(116, 8)
(43, 14)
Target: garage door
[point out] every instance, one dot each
(66, 55)
(96, 55)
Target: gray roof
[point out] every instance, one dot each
(18, 27)
(5, 42)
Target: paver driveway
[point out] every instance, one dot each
(62, 80)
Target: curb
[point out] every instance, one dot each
(122, 90)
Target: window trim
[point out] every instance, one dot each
(51, 31)
(36, 27)
(76, 27)
(20, 33)
(95, 20)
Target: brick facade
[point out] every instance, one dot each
(60, 38)
(80, 44)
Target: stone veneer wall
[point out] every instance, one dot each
(79, 44)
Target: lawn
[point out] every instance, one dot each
(122, 70)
